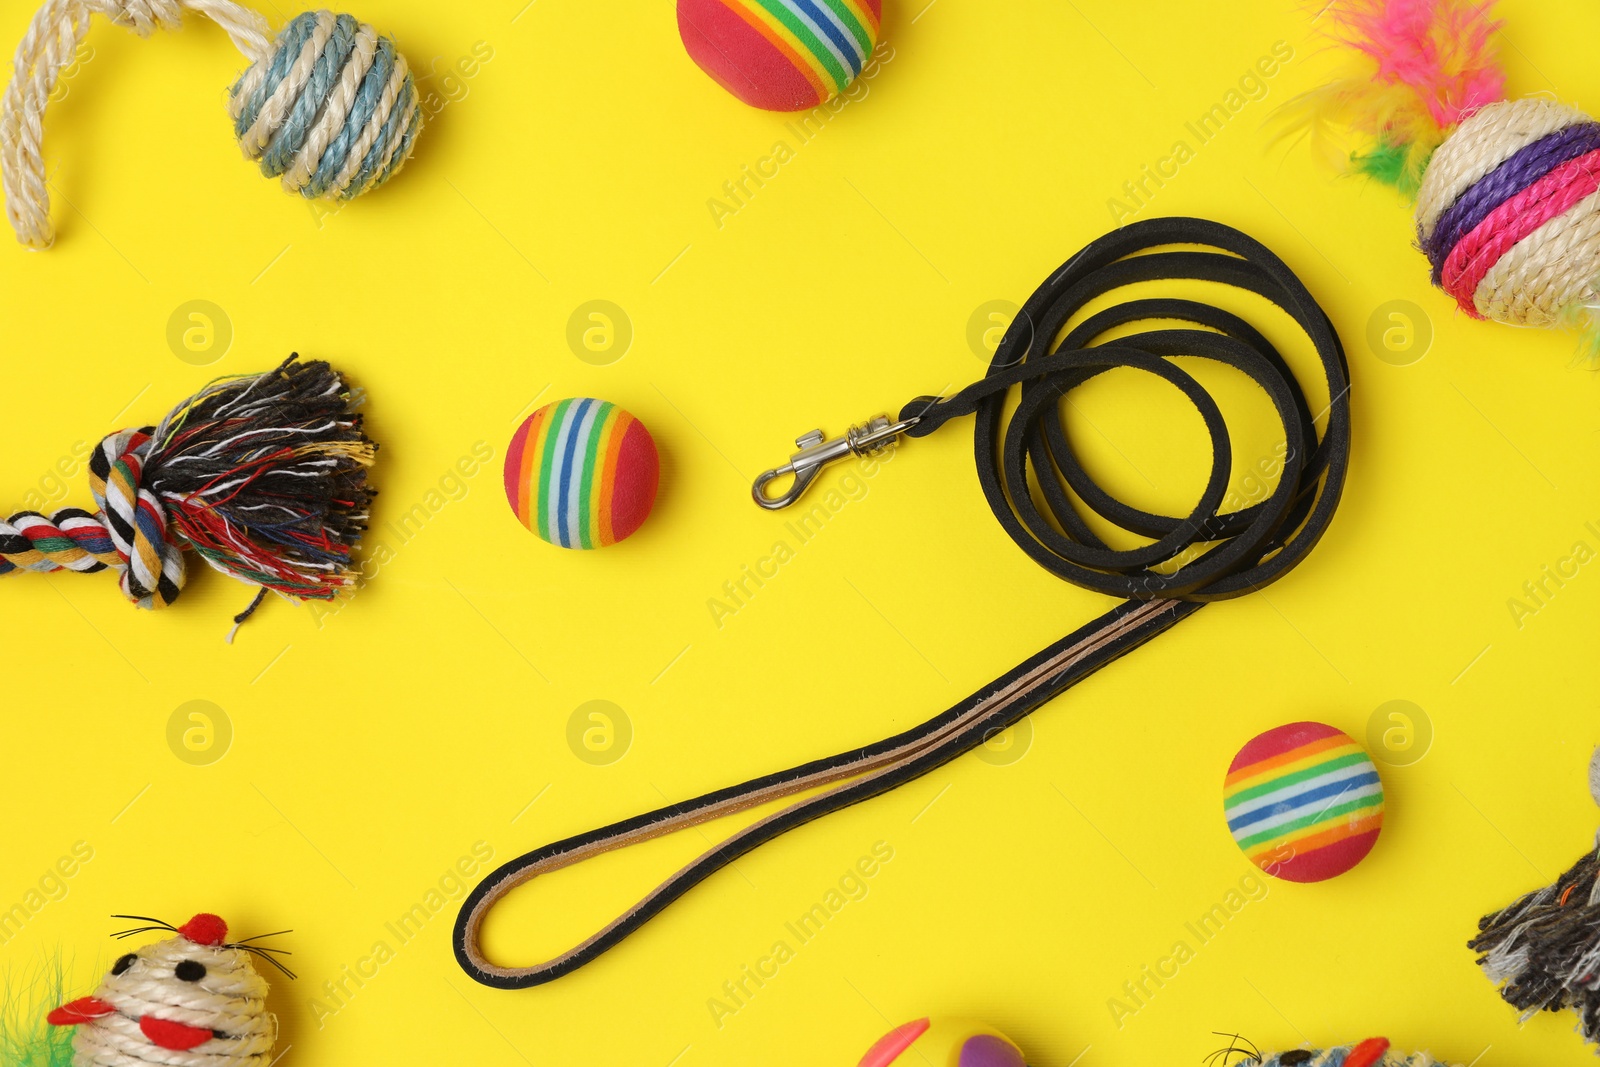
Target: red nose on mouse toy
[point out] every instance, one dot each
(205, 929)
(192, 992)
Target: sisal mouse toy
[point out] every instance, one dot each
(193, 998)
(1373, 1052)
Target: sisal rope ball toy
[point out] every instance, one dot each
(263, 475)
(329, 106)
(1507, 191)
(192, 999)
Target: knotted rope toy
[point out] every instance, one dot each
(263, 475)
(1209, 554)
(329, 105)
(1543, 950)
(1507, 191)
(194, 998)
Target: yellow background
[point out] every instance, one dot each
(372, 748)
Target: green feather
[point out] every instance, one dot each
(26, 1040)
(1386, 163)
(1584, 318)
(1395, 163)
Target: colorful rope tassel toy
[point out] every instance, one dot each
(1507, 191)
(1543, 950)
(194, 998)
(329, 105)
(263, 475)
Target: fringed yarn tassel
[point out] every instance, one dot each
(263, 475)
(1543, 951)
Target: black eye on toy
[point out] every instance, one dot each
(123, 963)
(189, 971)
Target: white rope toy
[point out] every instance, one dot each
(193, 1000)
(329, 105)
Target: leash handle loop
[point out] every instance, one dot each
(1190, 560)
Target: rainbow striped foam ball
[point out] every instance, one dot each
(1304, 802)
(780, 55)
(943, 1043)
(582, 473)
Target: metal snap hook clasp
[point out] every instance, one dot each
(802, 479)
(817, 451)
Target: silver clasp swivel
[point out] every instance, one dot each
(816, 452)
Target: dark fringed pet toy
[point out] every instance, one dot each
(263, 475)
(1544, 949)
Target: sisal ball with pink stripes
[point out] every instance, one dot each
(1507, 191)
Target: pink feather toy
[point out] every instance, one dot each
(1507, 192)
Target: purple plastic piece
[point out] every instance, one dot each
(986, 1051)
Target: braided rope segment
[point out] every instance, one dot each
(46, 49)
(71, 539)
(128, 533)
(152, 573)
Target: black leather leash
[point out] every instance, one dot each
(1203, 556)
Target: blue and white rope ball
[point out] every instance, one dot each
(331, 108)
(329, 105)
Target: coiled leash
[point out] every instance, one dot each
(1219, 555)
